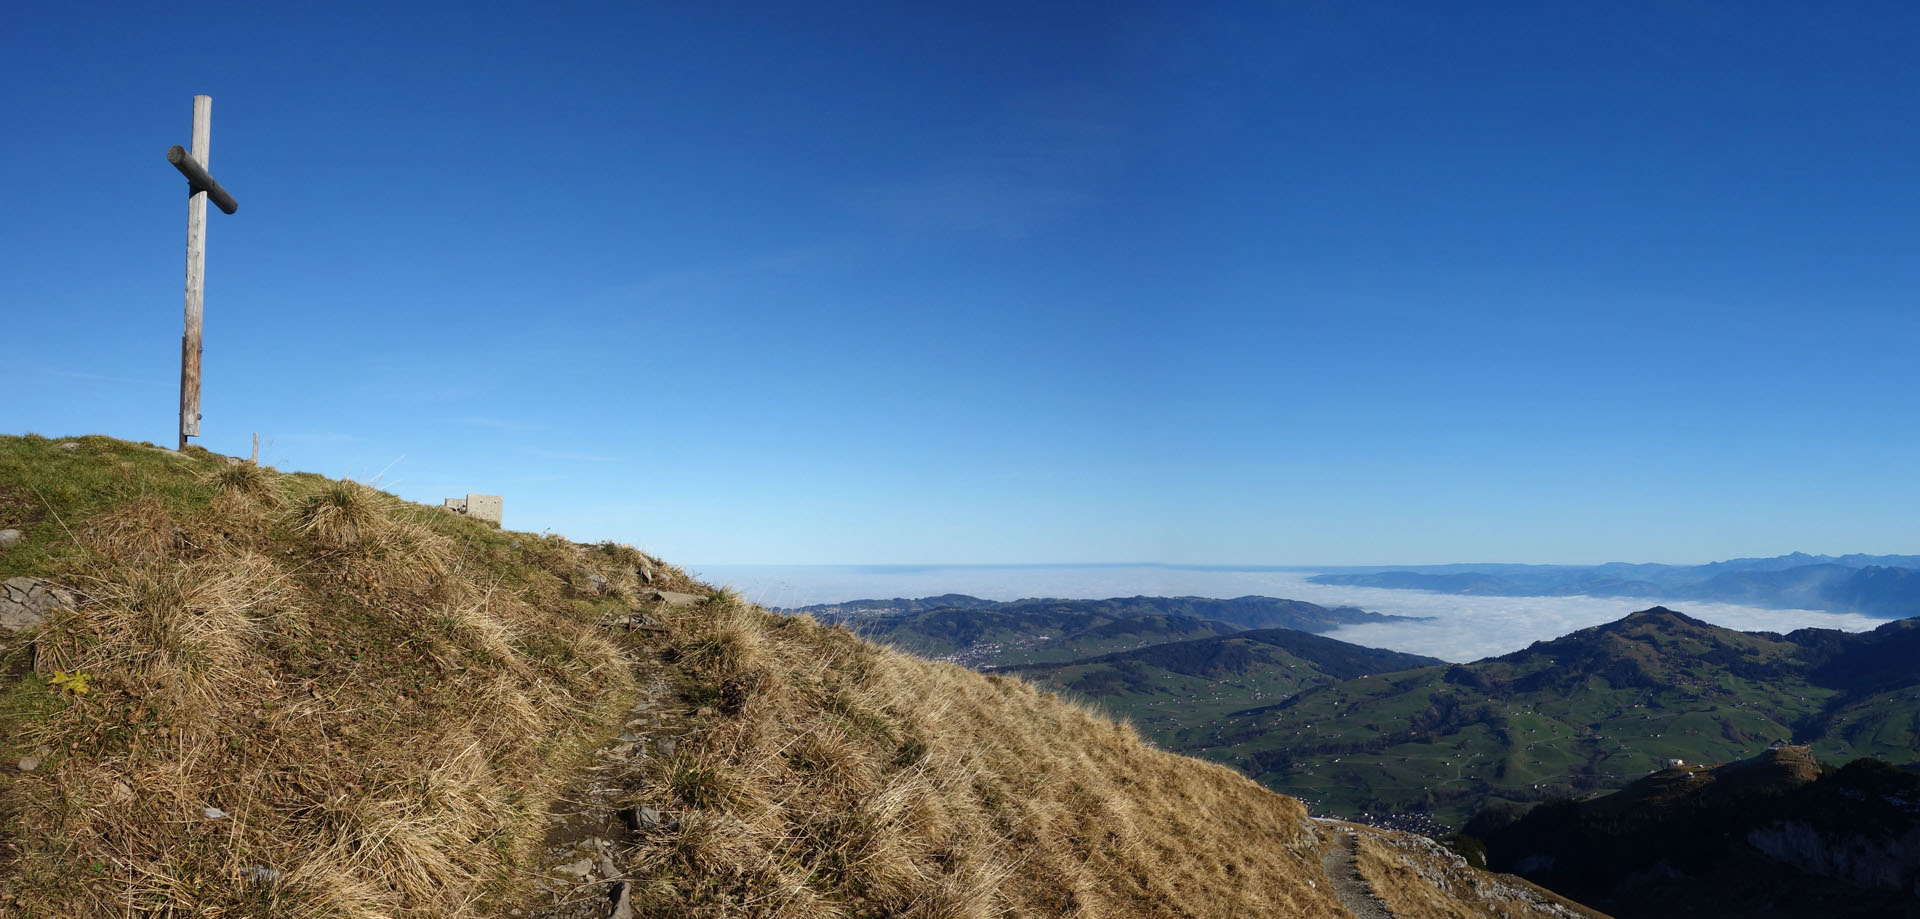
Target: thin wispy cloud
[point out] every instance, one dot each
(724, 276)
(543, 453)
(433, 394)
(499, 424)
(316, 437)
(103, 378)
(1043, 160)
(976, 196)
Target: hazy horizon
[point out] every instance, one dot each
(1463, 627)
(1294, 566)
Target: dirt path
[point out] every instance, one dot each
(590, 833)
(1341, 860)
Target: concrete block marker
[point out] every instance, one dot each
(479, 507)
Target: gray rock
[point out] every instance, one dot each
(28, 763)
(11, 538)
(621, 895)
(576, 869)
(69, 446)
(1856, 859)
(262, 875)
(645, 571)
(642, 818)
(600, 585)
(214, 813)
(637, 621)
(667, 745)
(676, 598)
(26, 602)
(608, 869)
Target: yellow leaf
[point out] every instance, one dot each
(75, 683)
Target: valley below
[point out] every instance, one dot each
(1446, 750)
(1453, 627)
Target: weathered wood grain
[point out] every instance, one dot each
(196, 274)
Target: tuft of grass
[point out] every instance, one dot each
(343, 513)
(699, 784)
(245, 480)
(731, 644)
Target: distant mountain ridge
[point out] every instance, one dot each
(1164, 689)
(1588, 711)
(1250, 612)
(876, 607)
(1872, 585)
(986, 633)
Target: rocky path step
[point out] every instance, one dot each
(591, 829)
(1340, 859)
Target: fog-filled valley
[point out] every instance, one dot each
(1457, 628)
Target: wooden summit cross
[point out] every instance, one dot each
(200, 187)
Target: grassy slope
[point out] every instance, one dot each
(380, 700)
(857, 780)
(381, 713)
(373, 698)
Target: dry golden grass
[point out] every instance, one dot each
(1417, 879)
(838, 779)
(327, 713)
(305, 698)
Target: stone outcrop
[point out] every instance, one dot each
(1886, 863)
(1389, 873)
(27, 602)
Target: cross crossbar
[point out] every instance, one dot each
(199, 180)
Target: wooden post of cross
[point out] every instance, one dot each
(200, 188)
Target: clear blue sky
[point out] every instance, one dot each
(1281, 283)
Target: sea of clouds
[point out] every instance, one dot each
(1462, 628)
